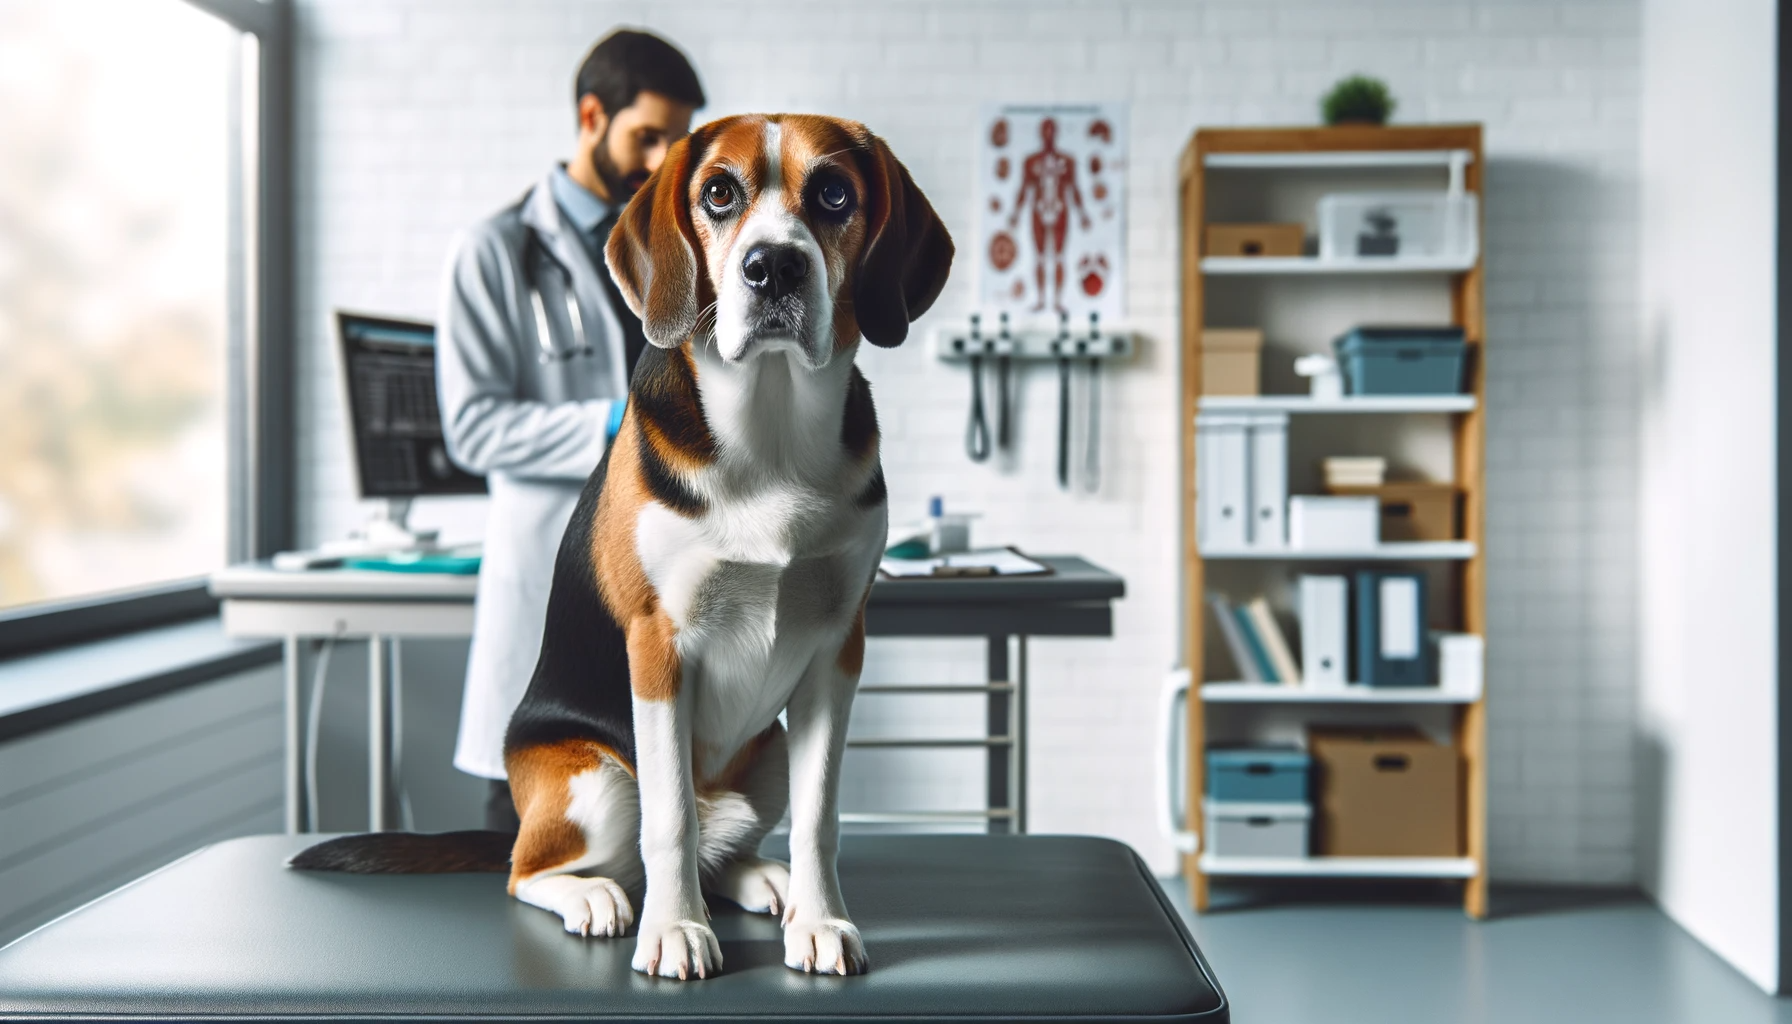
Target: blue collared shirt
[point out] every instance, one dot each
(583, 209)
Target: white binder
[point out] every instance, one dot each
(1223, 496)
(1268, 480)
(1324, 627)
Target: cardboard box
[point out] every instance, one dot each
(1385, 793)
(1231, 360)
(1255, 239)
(1412, 511)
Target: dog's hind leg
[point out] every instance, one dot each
(576, 854)
(732, 819)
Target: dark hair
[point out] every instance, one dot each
(627, 63)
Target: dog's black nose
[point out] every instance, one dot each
(774, 271)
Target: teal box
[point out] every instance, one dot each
(1402, 360)
(1264, 775)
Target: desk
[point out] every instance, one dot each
(382, 607)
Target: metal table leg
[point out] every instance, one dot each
(1018, 729)
(379, 760)
(295, 740)
(1001, 758)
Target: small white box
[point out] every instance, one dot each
(1461, 663)
(949, 534)
(1334, 523)
(1257, 830)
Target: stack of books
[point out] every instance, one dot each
(1355, 471)
(1255, 640)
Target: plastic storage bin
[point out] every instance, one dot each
(1258, 775)
(1398, 225)
(1402, 360)
(1258, 830)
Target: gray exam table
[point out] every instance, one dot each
(962, 928)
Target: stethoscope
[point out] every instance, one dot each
(1066, 348)
(1067, 351)
(544, 335)
(976, 439)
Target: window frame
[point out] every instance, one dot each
(259, 357)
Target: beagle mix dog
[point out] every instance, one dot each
(715, 570)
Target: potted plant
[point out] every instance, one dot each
(1358, 99)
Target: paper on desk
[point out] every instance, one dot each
(987, 562)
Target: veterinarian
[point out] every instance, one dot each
(534, 355)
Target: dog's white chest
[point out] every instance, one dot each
(756, 589)
(747, 542)
(755, 568)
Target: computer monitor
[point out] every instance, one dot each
(388, 369)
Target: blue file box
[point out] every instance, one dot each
(1263, 775)
(1402, 360)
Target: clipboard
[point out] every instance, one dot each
(983, 563)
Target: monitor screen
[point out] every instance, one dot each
(389, 377)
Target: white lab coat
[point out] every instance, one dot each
(535, 429)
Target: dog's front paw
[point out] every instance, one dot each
(824, 945)
(679, 949)
(758, 885)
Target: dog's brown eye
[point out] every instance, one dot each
(718, 194)
(831, 199)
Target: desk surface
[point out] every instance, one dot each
(965, 927)
(1073, 579)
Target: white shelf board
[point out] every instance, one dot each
(1349, 404)
(1269, 265)
(1273, 693)
(1394, 551)
(1341, 867)
(1337, 158)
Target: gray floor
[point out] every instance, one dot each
(1339, 956)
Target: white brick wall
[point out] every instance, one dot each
(418, 117)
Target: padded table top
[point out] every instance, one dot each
(965, 927)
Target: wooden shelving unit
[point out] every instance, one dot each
(1355, 151)
(1274, 693)
(1391, 551)
(1343, 867)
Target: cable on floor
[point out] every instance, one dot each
(320, 674)
(405, 817)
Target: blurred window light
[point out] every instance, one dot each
(116, 226)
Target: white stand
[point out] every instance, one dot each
(383, 534)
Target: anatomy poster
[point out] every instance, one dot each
(1052, 184)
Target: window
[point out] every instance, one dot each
(135, 287)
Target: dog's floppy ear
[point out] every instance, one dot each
(652, 253)
(907, 253)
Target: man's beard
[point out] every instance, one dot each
(620, 186)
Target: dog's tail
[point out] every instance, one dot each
(408, 853)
